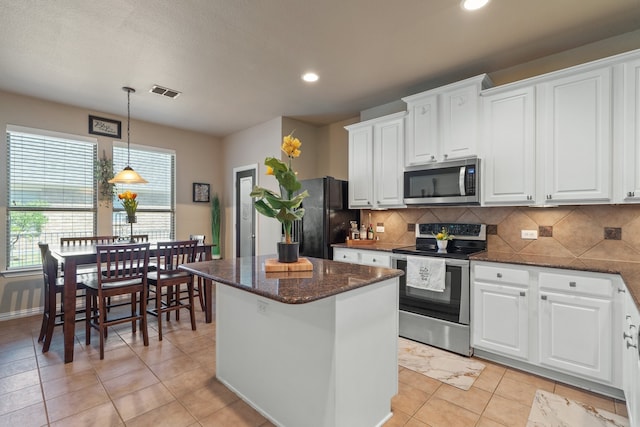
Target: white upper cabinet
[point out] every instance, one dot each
(575, 136)
(375, 162)
(442, 123)
(509, 153)
(630, 188)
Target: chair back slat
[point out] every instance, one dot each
(171, 254)
(117, 263)
(140, 238)
(87, 240)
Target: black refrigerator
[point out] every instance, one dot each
(326, 217)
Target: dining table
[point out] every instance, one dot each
(70, 257)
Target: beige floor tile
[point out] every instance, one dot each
(205, 401)
(621, 408)
(19, 381)
(415, 423)
(29, 416)
(113, 368)
(141, 401)
(541, 383)
(507, 412)
(519, 391)
(486, 422)
(441, 413)
(104, 415)
(75, 402)
(17, 367)
(419, 381)
(189, 381)
(238, 414)
(52, 372)
(172, 414)
(399, 419)
(409, 399)
(474, 399)
(171, 368)
(20, 399)
(130, 382)
(17, 353)
(158, 351)
(206, 359)
(69, 383)
(488, 380)
(583, 396)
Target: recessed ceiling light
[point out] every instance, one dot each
(473, 4)
(310, 77)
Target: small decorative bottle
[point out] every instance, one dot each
(370, 232)
(363, 232)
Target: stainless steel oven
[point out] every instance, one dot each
(440, 318)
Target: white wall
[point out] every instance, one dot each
(197, 160)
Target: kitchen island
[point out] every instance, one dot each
(312, 348)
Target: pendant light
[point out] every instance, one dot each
(128, 175)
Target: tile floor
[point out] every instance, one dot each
(173, 383)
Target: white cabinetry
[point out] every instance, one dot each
(558, 323)
(364, 257)
(575, 130)
(576, 324)
(631, 360)
(509, 154)
(630, 188)
(501, 310)
(375, 162)
(549, 140)
(442, 123)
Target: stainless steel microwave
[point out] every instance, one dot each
(448, 183)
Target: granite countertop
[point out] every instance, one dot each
(629, 271)
(377, 246)
(327, 278)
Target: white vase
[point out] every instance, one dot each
(442, 244)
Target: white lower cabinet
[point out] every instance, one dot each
(631, 360)
(363, 257)
(501, 310)
(550, 320)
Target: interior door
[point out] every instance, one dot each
(245, 214)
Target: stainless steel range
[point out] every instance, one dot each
(440, 318)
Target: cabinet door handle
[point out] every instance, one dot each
(622, 291)
(499, 275)
(626, 335)
(374, 260)
(344, 256)
(433, 157)
(522, 293)
(544, 297)
(572, 284)
(445, 156)
(629, 345)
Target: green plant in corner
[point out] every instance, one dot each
(215, 226)
(103, 173)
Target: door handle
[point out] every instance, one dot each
(543, 297)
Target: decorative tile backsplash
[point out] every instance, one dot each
(605, 232)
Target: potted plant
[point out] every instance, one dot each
(286, 205)
(442, 239)
(215, 226)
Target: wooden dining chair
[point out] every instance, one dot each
(169, 278)
(87, 240)
(140, 238)
(122, 271)
(198, 286)
(54, 286)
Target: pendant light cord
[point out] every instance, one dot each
(128, 126)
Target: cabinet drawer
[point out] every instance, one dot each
(595, 286)
(377, 259)
(346, 255)
(502, 275)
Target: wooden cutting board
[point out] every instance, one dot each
(272, 264)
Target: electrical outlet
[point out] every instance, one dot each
(380, 227)
(262, 307)
(529, 234)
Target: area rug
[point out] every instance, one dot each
(550, 410)
(441, 365)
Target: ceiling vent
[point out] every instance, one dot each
(169, 93)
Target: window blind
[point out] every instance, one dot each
(156, 200)
(51, 191)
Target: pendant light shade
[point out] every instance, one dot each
(128, 175)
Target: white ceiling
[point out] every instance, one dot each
(239, 62)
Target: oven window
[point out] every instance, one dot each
(441, 305)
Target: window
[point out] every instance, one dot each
(156, 200)
(51, 191)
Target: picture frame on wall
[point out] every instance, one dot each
(201, 192)
(105, 127)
